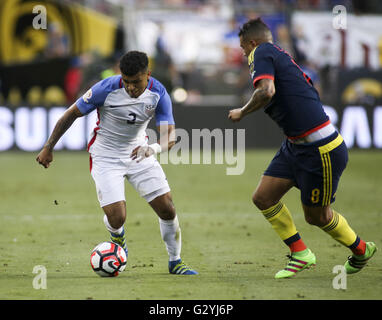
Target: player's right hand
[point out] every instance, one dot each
(141, 152)
(45, 157)
(235, 115)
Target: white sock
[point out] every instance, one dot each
(171, 235)
(110, 228)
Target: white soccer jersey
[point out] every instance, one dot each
(122, 120)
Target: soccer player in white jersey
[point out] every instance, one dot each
(118, 149)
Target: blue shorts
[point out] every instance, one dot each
(315, 168)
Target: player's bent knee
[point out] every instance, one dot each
(311, 220)
(117, 221)
(164, 207)
(166, 213)
(317, 216)
(262, 202)
(116, 214)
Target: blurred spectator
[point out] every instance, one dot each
(73, 79)
(231, 45)
(163, 67)
(284, 39)
(113, 69)
(58, 43)
(312, 72)
(92, 66)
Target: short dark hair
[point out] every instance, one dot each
(133, 62)
(255, 29)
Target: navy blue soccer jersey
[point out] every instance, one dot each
(295, 106)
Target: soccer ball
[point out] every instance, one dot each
(108, 259)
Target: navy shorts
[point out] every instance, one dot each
(315, 168)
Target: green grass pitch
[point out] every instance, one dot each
(51, 217)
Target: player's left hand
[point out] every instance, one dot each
(141, 152)
(235, 115)
(45, 157)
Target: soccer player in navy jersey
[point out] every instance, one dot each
(118, 149)
(311, 158)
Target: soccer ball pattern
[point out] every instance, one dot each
(108, 259)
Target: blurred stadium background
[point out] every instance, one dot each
(52, 217)
(194, 51)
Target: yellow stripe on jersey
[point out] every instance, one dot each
(251, 56)
(327, 168)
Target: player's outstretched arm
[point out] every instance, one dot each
(45, 157)
(166, 142)
(265, 89)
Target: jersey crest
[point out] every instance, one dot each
(150, 109)
(87, 95)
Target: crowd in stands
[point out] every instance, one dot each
(88, 68)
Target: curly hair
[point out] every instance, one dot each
(133, 62)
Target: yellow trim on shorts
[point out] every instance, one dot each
(327, 175)
(327, 168)
(331, 145)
